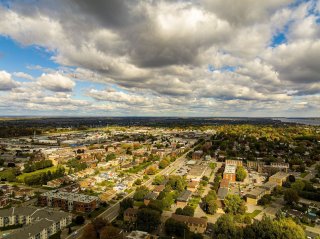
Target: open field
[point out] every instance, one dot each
(22, 176)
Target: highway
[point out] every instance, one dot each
(112, 212)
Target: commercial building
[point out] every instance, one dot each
(36, 223)
(194, 224)
(230, 172)
(197, 154)
(255, 195)
(237, 163)
(279, 178)
(69, 201)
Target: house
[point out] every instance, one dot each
(4, 201)
(150, 196)
(194, 224)
(192, 185)
(183, 198)
(158, 189)
(130, 215)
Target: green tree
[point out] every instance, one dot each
(176, 228)
(241, 173)
(140, 193)
(164, 163)
(209, 204)
(298, 185)
(225, 227)
(148, 219)
(234, 205)
(291, 196)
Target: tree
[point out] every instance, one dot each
(176, 228)
(289, 229)
(110, 232)
(79, 220)
(266, 199)
(225, 227)
(138, 182)
(89, 232)
(148, 219)
(140, 193)
(298, 185)
(241, 173)
(188, 211)
(99, 223)
(291, 196)
(234, 205)
(159, 179)
(164, 163)
(284, 228)
(209, 204)
(291, 178)
(151, 170)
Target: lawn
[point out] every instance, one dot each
(254, 213)
(194, 202)
(22, 176)
(139, 167)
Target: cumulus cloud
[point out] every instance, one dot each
(56, 82)
(156, 53)
(6, 81)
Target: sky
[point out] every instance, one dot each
(160, 58)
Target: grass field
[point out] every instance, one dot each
(254, 213)
(22, 176)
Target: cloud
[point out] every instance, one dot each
(6, 81)
(152, 55)
(56, 82)
(23, 75)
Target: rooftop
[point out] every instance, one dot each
(230, 168)
(184, 196)
(70, 196)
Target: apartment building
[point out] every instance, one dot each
(69, 201)
(37, 223)
(194, 224)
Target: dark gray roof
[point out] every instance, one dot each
(151, 195)
(31, 230)
(222, 193)
(184, 196)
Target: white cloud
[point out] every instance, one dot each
(56, 82)
(6, 81)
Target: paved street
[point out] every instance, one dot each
(112, 212)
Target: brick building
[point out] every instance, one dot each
(69, 201)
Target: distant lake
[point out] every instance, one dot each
(306, 121)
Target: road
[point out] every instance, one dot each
(112, 212)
